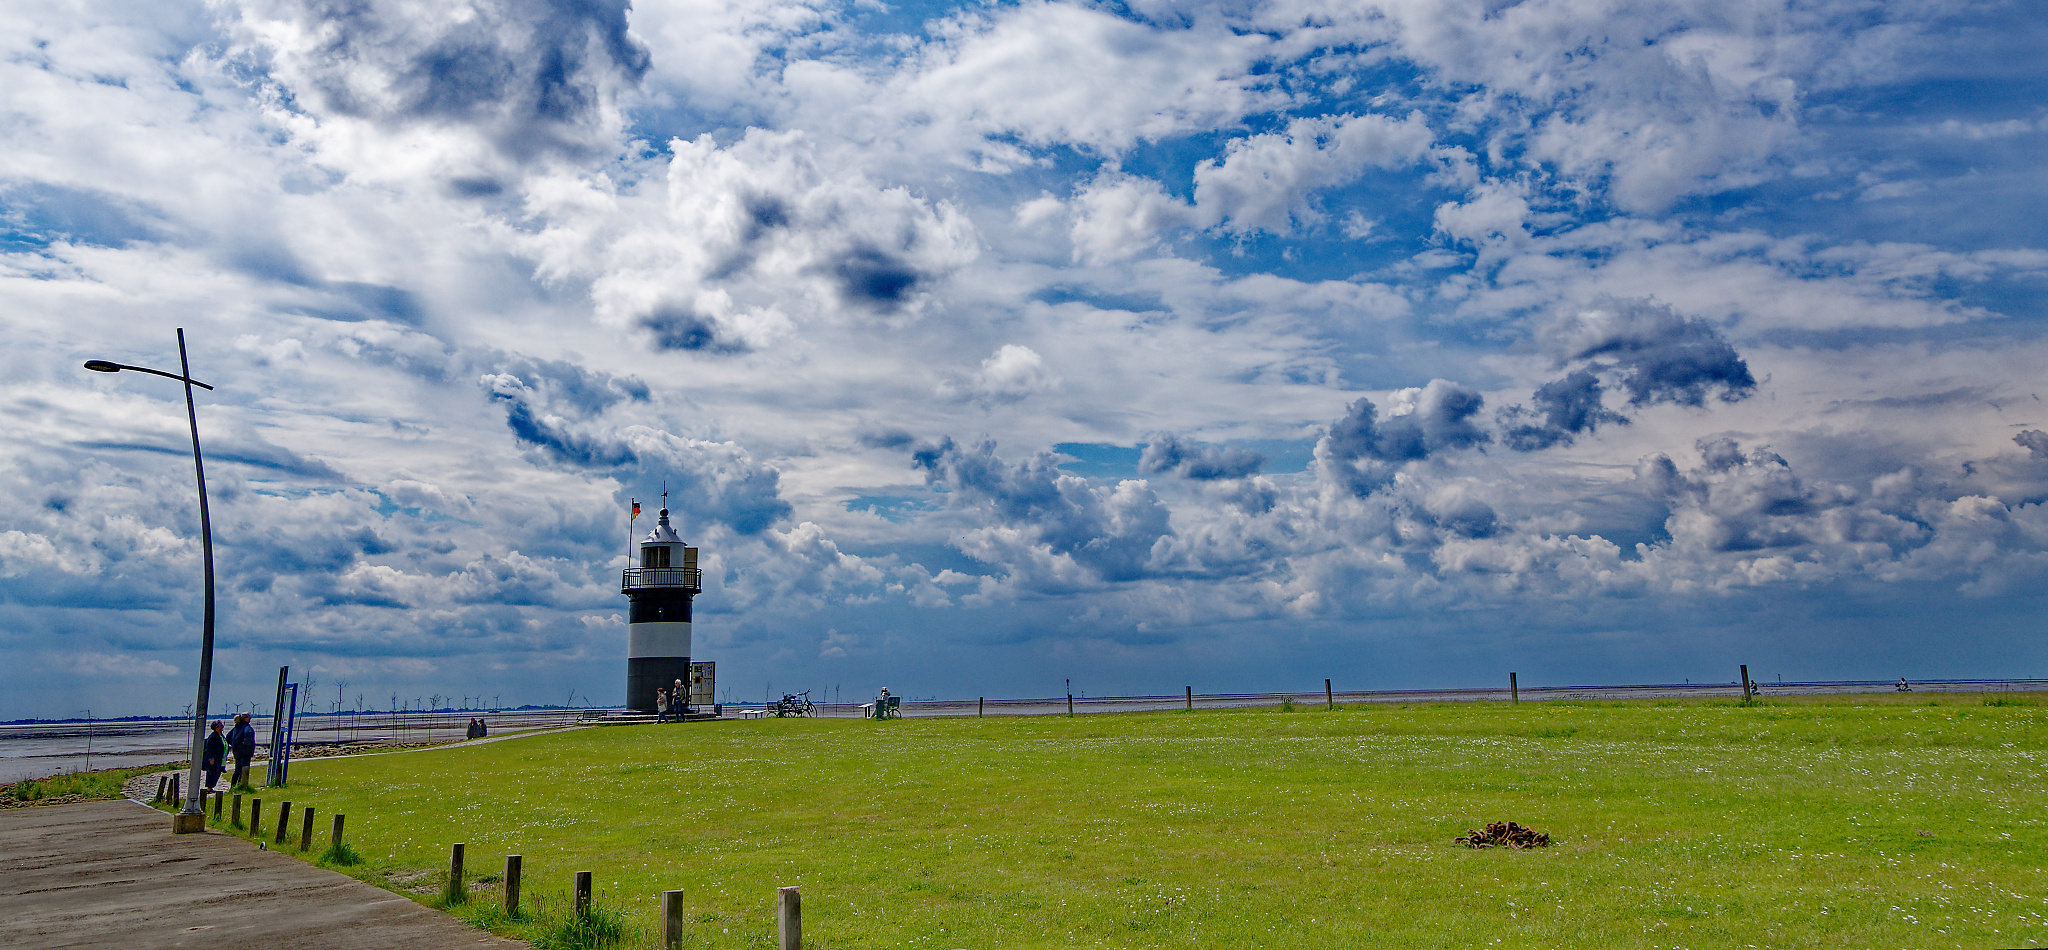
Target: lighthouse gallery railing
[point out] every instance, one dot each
(641, 578)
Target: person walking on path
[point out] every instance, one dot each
(242, 742)
(216, 756)
(660, 704)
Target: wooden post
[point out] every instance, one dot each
(339, 820)
(1745, 682)
(163, 786)
(1191, 699)
(177, 800)
(1070, 704)
(582, 894)
(456, 891)
(1514, 689)
(284, 821)
(237, 822)
(306, 829)
(671, 920)
(512, 885)
(1329, 698)
(789, 919)
(217, 797)
(980, 704)
(256, 818)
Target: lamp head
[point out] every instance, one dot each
(102, 366)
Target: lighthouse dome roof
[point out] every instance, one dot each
(663, 533)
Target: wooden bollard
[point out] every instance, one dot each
(256, 818)
(236, 822)
(284, 821)
(163, 786)
(980, 704)
(1514, 689)
(671, 920)
(512, 885)
(582, 894)
(1191, 699)
(306, 830)
(1329, 698)
(455, 891)
(1070, 704)
(217, 797)
(789, 919)
(177, 800)
(1745, 682)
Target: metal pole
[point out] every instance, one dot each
(273, 773)
(197, 819)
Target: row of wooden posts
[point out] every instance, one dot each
(167, 789)
(1330, 696)
(788, 902)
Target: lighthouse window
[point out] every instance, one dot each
(654, 557)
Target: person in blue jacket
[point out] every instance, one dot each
(216, 756)
(242, 742)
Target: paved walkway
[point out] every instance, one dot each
(111, 874)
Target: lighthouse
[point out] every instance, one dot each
(659, 589)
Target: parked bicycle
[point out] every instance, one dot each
(795, 704)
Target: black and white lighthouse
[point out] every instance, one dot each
(658, 631)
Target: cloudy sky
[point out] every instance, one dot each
(984, 345)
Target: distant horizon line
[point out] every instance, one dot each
(1418, 691)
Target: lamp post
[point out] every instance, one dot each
(193, 817)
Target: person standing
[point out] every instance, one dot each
(660, 704)
(677, 699)
(216, 756)
(242, 742)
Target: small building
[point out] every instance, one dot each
(659, 590)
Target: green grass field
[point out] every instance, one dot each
(1866, 821)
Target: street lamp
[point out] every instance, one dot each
(193, 817)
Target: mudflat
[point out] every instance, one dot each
(111, 874)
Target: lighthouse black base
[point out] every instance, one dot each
(645, 674)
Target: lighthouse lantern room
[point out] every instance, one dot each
(659, 588)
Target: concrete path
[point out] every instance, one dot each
(111, 874)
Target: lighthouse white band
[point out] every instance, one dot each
(659, 639)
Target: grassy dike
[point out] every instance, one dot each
(1873, 821)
